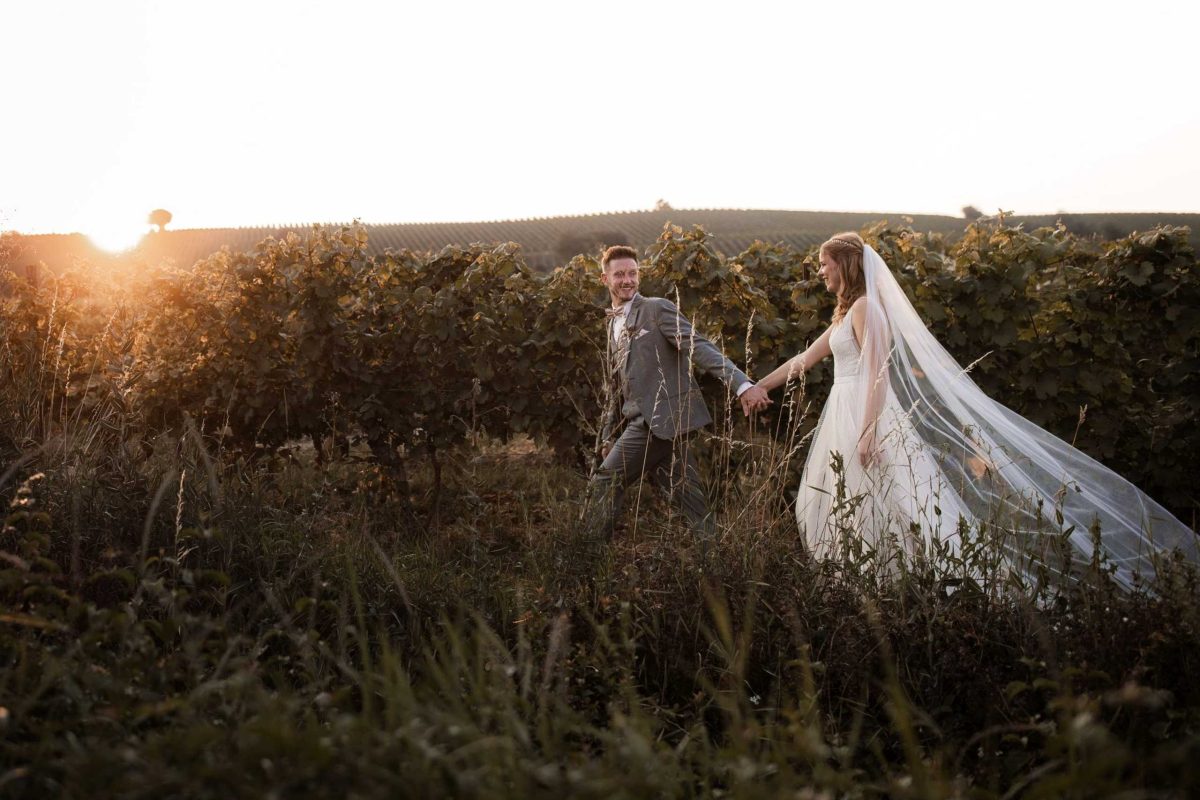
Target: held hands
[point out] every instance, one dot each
(753, 400)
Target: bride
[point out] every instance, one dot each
(910, 456)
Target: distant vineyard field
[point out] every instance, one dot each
(552, 241)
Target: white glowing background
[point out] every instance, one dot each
(249, 113)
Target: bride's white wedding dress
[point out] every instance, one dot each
(841, 503)
(951, 460)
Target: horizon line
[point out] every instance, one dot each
(493, 221)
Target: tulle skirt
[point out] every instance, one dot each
(902, 502)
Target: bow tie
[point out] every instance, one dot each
(611, 312)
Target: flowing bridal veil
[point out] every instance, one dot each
(969, 458)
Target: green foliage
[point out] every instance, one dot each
(566, 344)
(434, 342)
(254, 345)
(730, 309)
(310, 336)
(1140, 380)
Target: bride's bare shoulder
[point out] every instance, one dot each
(858, 318)
(858, 311)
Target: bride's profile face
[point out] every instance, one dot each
(831, 273)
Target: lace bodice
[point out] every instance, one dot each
(845, 351)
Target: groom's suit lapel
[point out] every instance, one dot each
(632, 325)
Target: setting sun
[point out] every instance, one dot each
(117, 237)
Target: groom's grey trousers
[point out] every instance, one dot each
(668, 463)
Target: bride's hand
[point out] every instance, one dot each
(868, 451)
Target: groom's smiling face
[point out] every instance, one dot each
(621, 278)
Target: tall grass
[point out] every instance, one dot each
(219, 626)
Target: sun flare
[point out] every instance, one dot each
(118, 237)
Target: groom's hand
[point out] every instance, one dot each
(754, 399)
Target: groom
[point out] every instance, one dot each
(652, 348)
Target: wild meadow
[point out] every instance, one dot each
(306, 522)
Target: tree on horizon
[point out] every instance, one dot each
(160, 217)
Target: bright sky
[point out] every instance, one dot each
(255, 113)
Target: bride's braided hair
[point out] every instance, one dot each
(846, 249)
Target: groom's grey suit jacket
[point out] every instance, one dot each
(657, 379)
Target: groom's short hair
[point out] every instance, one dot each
(615, 252)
